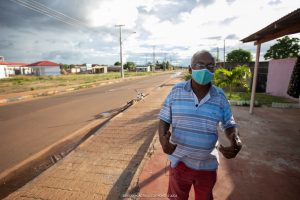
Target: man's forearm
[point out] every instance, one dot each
(233, 135)
(163, 129)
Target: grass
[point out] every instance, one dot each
(261, 98)
(31, 83)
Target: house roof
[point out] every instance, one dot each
(43, 63)
(12, 63)
(289, 24)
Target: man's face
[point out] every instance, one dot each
(203, 61)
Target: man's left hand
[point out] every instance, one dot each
(233, 150)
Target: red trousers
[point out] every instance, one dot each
(182, 178)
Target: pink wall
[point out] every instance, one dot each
(279, 74)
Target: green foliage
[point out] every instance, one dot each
(117, 63)
(237, 77)
(130, 66)
(239, 56)
(187, 76)
(164, 65)
(284, 48)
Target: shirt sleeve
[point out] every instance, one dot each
(165, 113)
(227, 117)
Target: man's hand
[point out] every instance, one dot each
(168, 147)
(234, 148)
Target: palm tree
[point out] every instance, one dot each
(238, 76)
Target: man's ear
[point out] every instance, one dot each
(190, 69)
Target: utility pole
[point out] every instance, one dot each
(121, 56)
(224, 55)
(153, 69)
(217, 54)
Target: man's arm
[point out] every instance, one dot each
(235, 141)
(164, 136)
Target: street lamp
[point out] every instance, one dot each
(121, 61)
(121, 53)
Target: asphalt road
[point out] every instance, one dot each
(27, 128)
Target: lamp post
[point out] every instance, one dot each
(121, 53)
(121, 56)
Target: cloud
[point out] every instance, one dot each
(230, 1)
(109, 13)
(177, 28)
(214, 38)
(228, 20)
(206, 2)
(169, 11)
(274, 2)
(232, 37)
(6, 44)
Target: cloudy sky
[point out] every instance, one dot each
(83, 31)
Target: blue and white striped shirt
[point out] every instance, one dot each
(194, 128)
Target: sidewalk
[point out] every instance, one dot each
(106, 165)
(268, 166)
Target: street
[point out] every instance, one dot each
(27, 128)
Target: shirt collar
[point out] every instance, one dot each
(188, 87)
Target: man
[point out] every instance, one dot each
(194, 109)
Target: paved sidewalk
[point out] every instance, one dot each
(268, 166)
(107, 164)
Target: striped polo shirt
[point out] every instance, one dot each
(194, 125)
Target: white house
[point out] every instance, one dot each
(99, 69)
(16, 68)
(75, 70)
(3, 71)
(143, 68)
(43, 68)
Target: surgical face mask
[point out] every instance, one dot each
(202, 76)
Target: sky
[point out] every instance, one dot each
(84, 31)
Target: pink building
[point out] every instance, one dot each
(279, 75)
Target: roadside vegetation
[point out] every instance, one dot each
(30, 83)
(238, 79)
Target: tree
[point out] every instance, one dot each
(117, 63)
(284, 48)
(239, 56)
(230, 79)
(129, 65)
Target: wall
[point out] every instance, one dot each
(279, 74)
(52, 70)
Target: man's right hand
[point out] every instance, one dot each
(168, 147)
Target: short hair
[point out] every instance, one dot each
(198, 53)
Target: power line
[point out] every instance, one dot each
(38, 7)
(59, 13)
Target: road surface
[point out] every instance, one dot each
(27, 128)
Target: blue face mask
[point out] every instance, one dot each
(202, 76)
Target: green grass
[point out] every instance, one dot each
(30, 83)
(262, 98)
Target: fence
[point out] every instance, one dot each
(262, 73)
